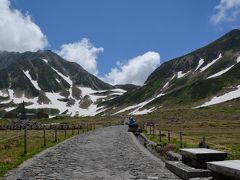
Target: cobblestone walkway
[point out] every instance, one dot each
(109, 153)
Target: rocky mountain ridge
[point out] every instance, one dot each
(44, 80)
(207, 76)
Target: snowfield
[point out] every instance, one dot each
(167, 83)
(139, 106)
(180, 74)
(45, 60)
(56, 102)
(211, 63)
(3, 94)
(224, 70)
(220, 73)
(200, 63)
(142, 112)
(35, 83)
(223, 98)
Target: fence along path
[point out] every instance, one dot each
(44, 133)
(180, 138)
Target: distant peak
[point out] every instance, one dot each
(234, 32)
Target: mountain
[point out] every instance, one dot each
(127, 87)
(44, 80)
(207, 76)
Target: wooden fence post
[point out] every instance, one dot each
(160, 135)
(181, 145)
(65, 132)
(73, 129)
(169, 138)
(153, 129)
(55, 133)
(25, 140)
(44, 136)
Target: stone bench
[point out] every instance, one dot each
(186, 172)
(227, 170)
(198, 157)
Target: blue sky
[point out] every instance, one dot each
(128, 29)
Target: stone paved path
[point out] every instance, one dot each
(109, 153)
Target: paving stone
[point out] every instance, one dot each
(107, 153)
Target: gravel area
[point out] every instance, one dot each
(109, 153)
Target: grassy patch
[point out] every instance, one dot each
(12, 146)
(3, 122)
(219, 126)
(12, 142)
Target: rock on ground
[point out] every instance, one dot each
(108, 153)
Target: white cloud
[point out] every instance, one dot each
(226, 11)
(82, 52)
(18, 32)
(135, 71)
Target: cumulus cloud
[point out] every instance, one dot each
(18, 32)
(82, 52)
(226, 11)
(135, 71)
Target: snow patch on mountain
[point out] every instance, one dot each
(180, 74)
(119, 90)
(159, 95)
(57, 80)
(57, 103)
(142, 112)
(200, 63)
(220, 73)
(224, 70)
(45, 60)
(34, 82)
(3, 94)
(18, 100)
(238, 59)
(137, 107)
(223, 98)
(211, 63)
(167, 83)
(66, 78)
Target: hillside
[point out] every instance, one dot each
(46, 81)
(189, 81)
